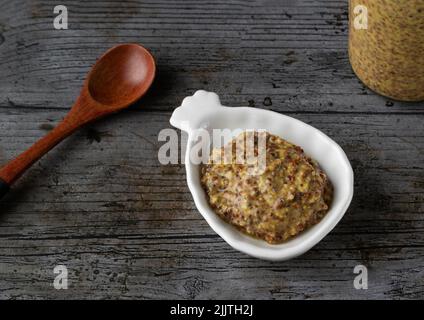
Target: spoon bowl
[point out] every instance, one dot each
(120, 77)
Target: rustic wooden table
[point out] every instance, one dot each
(125, 225)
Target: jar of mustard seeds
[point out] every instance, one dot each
(386, 46)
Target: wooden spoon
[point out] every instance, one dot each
(119, 78)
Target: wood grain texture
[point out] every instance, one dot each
(125, 225)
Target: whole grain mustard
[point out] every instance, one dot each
(290, 195)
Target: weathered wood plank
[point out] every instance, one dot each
(288, 56)
(126, 226)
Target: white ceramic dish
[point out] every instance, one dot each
(204, 110)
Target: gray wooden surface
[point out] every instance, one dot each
(126, 226)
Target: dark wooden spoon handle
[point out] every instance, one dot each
(4, 188)
(15, 168)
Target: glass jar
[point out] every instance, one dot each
(386, 46)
